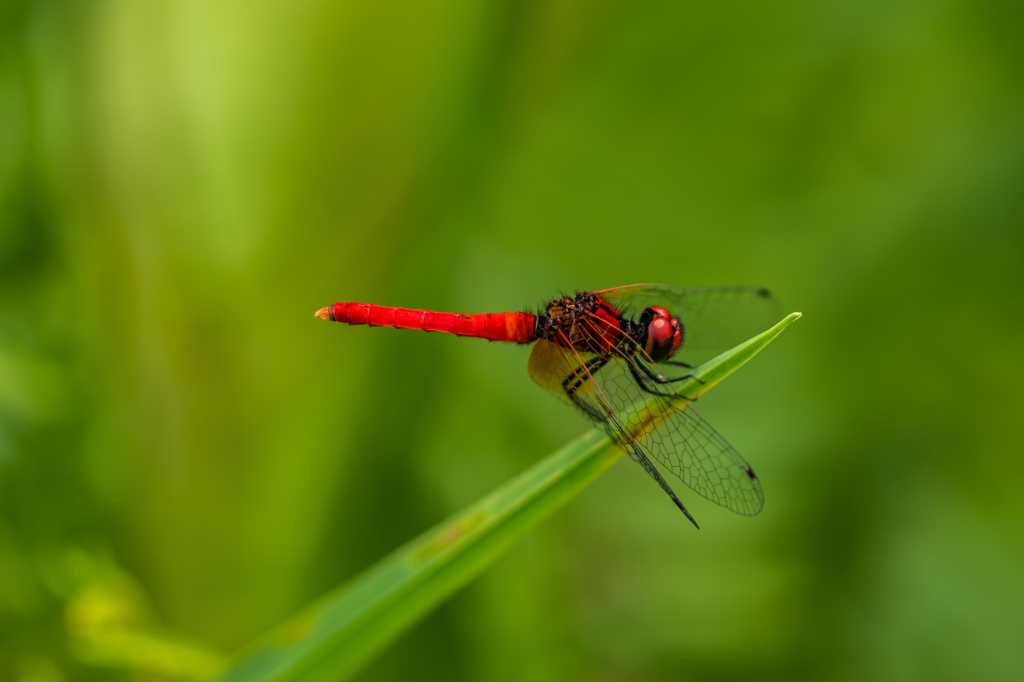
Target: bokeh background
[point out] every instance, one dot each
(187, 456)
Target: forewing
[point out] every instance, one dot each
(683, 442)
(701, 458)
(606, 391)
(714, 317)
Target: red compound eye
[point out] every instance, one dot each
(663, 336)
(660, 330)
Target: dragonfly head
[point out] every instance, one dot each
(664, 333)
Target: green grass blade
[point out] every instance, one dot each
(335, 637)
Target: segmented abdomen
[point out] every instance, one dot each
(512, 327)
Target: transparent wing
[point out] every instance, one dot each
(567, 375)
(715, 318)
(683, 442)
(571, 376)
(610, 389)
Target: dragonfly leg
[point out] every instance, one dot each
(642, 383)
(678, 364)
(640, 457)
(658, 379)
(573, 383)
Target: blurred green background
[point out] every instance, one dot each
(187, 456)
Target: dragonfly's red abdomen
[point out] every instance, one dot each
(512, 327)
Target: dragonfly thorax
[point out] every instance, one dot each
(584, 323)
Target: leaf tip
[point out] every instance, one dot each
(788, 319)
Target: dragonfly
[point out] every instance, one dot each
(614, 355)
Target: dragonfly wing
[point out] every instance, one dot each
(682, 441)
(589, 381)
(599, 389)
(714, 317)
(701, 458)
(558, 369)
(607, 389)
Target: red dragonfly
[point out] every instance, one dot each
(610, 354)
